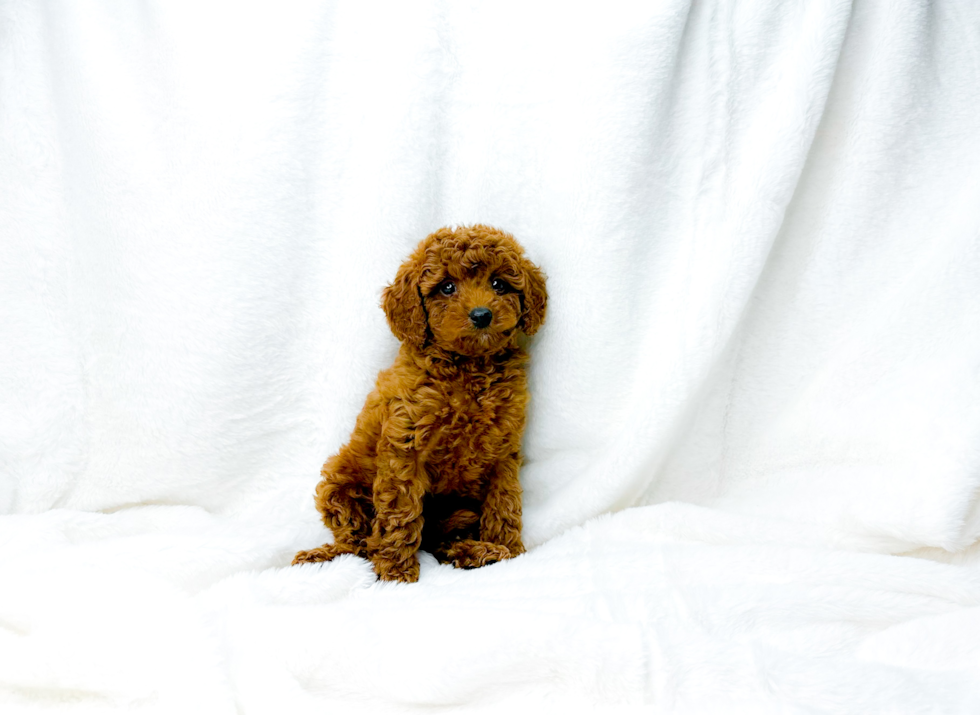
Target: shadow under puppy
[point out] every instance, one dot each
(434, 457)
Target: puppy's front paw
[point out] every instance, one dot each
(516, 549)
(406, 571)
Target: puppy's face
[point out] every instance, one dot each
(467, 291)
(474, 312)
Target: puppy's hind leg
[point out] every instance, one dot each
(473, 553)
(344, 500)
(452, 531)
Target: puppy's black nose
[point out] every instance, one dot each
(481, 317)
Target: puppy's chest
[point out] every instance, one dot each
(468, 434)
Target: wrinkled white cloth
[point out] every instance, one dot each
(753, 453)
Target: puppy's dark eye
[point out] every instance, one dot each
(499, 286)
(447, 288)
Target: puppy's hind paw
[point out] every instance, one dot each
(322, 553)
(472, 554)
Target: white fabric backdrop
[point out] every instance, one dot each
(761, 227)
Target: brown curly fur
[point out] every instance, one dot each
(438, 442)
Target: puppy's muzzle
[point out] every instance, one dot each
(480, 317)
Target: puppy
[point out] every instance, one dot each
(434, 457)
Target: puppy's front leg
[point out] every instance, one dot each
(399, 488)
(500, 522)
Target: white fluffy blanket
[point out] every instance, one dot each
(753, 457)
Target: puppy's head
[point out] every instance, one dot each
(467, 291)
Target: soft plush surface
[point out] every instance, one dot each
(753, 449)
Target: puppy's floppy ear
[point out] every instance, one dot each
(535, 301)
(402, 304)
